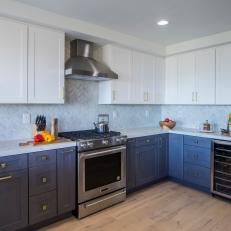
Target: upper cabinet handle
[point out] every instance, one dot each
(193, 96)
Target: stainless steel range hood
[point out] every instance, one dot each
(82, 65)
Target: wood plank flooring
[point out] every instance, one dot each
(163, 207)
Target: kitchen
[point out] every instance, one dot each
(176, 76)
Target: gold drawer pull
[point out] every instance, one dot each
(44, 179)
(44, 207)
(3, 165)
(5, 178)
(45, 157)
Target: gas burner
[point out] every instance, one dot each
(90, 139)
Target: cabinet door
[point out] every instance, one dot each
(223, 73)
(186, 81)
(162, 156)
(120, 62)
(176, 156)
(13, 200)
(159, 85)
(205, 76)
(46, 66)
(13, 62)
(66, 178)
(146, 164)
(131, 165)
(171, 80)
(143, 78)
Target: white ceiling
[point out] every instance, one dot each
(188, 19)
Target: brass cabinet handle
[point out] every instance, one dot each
(3, 165)
(44, 179)
(44, 207)
(5, 178)
(44, 157)
(68, 151)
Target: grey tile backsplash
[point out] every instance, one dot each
(79, 112)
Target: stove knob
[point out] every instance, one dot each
(90, 144)
(123, 139)
(118, 140)
(83, 145)
(105, 142)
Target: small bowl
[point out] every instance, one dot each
(167, 125)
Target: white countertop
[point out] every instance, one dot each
(139, 132)
(11, 147)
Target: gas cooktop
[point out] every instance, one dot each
(87, 135)
(90, 139)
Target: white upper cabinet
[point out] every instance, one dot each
(190, 78)
(13, 62)
(159, 85)
(205, 76)
(46, 66)
(117, 91)
(143, 78)
(171, 80)
(138, 74)
(223, 74)
(186, 79)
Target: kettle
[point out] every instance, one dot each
(103, 123)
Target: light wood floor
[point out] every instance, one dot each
(163, 207)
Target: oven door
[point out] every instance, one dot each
(101, 172)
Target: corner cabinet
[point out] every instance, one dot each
(31, 64)
(147, 160)
(140, 77)
(45, 66)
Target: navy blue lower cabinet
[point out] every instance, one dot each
(131, 164)
(162, 155)
(176, 156)
(146, 164)
(197, 175)
(197, 155)
(13, 200)
(66, 175)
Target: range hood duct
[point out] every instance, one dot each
(82, 65)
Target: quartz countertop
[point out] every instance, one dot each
(12, 147)
(147, 131)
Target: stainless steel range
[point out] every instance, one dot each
(101, 173)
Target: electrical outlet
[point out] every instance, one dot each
(26, 118)
(146, 113)
(114, 115)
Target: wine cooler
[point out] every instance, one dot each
(221, 169)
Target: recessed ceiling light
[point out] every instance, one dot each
(162, 22)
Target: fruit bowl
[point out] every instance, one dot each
(167, 124)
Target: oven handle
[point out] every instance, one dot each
(100, 153)
(105, 199)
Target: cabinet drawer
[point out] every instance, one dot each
(197, 141)
(42, 207)
(197, 175)
(42, 179)
(146, 140)
(197, 155)
(13, 163)
(41, 158)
